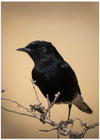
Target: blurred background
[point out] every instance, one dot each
(73, 28)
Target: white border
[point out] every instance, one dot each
(48, 1)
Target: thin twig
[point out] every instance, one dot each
(18, 105)
(16, 112)
(58, 135)
(21, 106)
(92, 125)
(48, 105)
(54, 128)
(51, 105)
(3, 90)
(33, 82)
(61, 127)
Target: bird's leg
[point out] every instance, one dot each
(69, 121)
(69, 111)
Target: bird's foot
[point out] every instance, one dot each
(42, 118)
(62, 123)
(69, 121)
(66, 122)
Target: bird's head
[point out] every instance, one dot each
(39, 50)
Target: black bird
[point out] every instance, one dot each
(53, 74)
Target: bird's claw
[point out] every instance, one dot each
(69, 121)
(42, 118)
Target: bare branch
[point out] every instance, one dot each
(33, 82)
(51, 105)
(21, 106)
(58, 135)
(54, 128)
(16, 112)
(18, 105)
(92, 125)
(39, 112)
(3, 90)
(48, 105)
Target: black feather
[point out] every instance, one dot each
(51, 72)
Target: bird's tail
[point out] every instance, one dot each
(82, 105)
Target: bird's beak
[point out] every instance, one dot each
(24, 49)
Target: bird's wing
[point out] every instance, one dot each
(69, 71)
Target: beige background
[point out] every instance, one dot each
(73, 29)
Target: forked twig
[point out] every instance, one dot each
(50, 106)
(39, 112)
(32, 114)
(33, 82)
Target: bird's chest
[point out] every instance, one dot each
(46, 77)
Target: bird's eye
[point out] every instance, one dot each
(42, 48)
